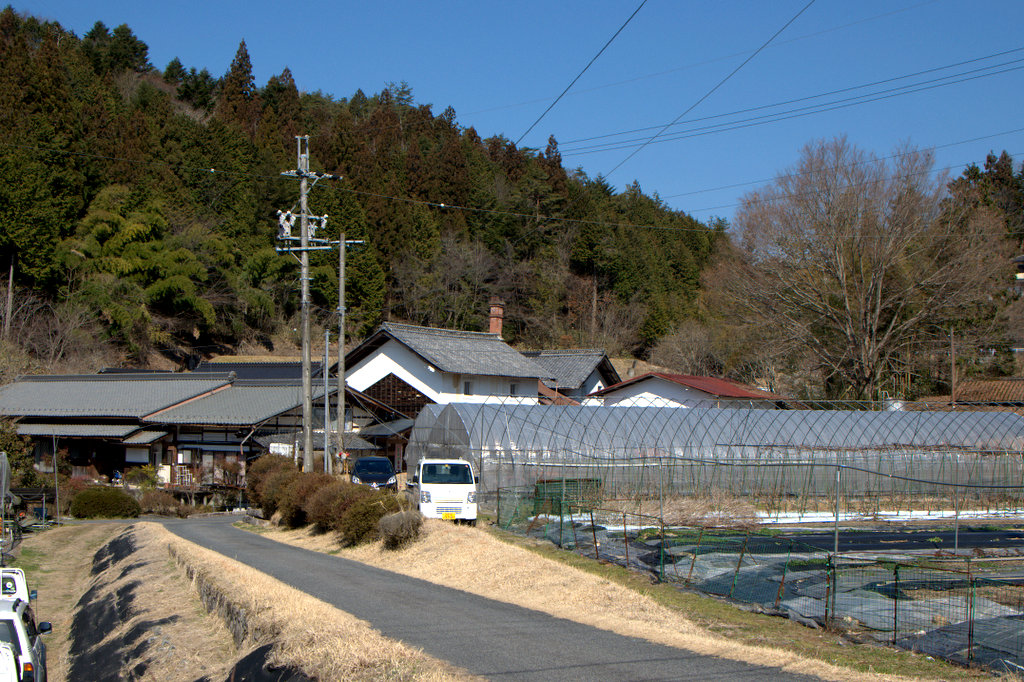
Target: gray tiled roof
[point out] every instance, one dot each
(351, 440)
(102, 395)
(569, 367)
(460, 352)
(242, 404)
(77, 430)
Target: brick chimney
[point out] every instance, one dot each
(497, 315)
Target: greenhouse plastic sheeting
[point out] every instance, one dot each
(512, 445)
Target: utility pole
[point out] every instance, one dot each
(308, 224)
(342, 245)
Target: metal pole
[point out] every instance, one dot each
(56, 482)
(835, 533)
(956, 506)
(307, 381)
(328, 468)
(341, 337)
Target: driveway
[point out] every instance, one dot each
(486, 637)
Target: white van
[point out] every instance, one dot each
(445, 489)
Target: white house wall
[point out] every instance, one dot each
(657, 393)
(441, 387)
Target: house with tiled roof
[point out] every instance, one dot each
(659, 389)
(576, 372)
(204, 424)
(408, 366)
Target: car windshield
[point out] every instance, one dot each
(447, 473)
(372, 466)
(9, 635)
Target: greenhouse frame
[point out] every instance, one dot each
(763, 453)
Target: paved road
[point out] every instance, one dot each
(486, 637)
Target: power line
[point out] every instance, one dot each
(710, 61)
(712, 90)
(884, 158)
(798, 112)
(580, 74)
(563, 144)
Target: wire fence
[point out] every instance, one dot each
(964, 609)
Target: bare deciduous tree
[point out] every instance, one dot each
(851, 259)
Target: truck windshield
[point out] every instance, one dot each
(447, 473)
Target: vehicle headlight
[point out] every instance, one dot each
(471, 497)
(391, 480)
(355, 479)
(425, 497)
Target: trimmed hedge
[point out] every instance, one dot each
(291, 501)
(272, 489)
(358, 524)
(104, 502)
(261, 469)
(399, 529)
(328, 504)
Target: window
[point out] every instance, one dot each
(512, 389)
(467, 388)
(9, 634)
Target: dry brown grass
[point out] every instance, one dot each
(479, 563)
(188, 639)
(717, 508)
(340, 647)
(57, 564)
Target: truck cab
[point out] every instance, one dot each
(445, 489)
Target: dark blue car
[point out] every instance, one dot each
(375, 472)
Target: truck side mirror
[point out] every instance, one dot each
(44, 627)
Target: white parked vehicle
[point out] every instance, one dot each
(14, 585)
(18, 631)
(8, 664)
(445, 489)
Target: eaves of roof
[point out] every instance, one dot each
(721, 388)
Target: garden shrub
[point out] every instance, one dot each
(294, 496)
(328, 504)
(272, 488)
(103, 502)
(358, 523)
(259, 470)
(159, 502)
(400, 528)
(142, 476)
(69, 490)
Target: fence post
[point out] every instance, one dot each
(829, 588)
(661, 551)
(739, 563)
(499, 507)
(572, 522)
(970, 614)
(895, 601)
(700, 535)
(593, 530)
(625, 538)
(782, 582)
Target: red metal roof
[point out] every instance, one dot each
(721, 388)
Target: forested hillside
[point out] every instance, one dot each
(138, 213)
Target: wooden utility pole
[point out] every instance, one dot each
(308, 224)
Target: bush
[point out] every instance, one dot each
(143, 476)
(103, 502)
(400, 528)
(69, 490)
(328, 504)
(260, 470)
(159, 502)
(294, 496)
(358, 523)
(272, 488)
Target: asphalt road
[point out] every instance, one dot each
(486, 637)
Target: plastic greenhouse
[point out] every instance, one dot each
(658, 451)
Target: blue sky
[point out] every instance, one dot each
(500, 64)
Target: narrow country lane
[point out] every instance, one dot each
(486, 637)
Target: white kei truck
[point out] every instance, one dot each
(445, 489)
